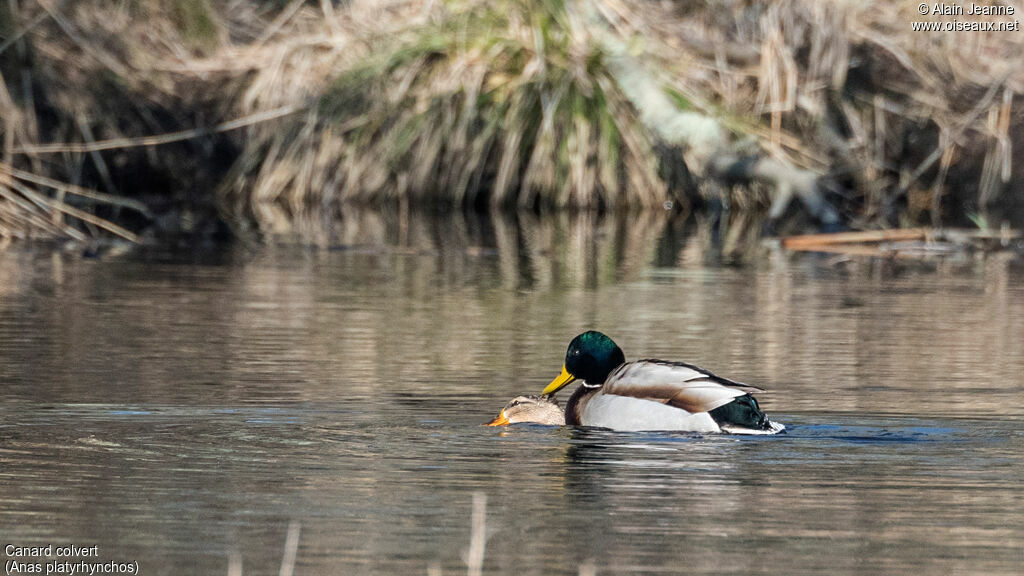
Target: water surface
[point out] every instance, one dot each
(174, 408)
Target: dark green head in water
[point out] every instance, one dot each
(591, 357)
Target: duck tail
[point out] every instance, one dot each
(743, 412)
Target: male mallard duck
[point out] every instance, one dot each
(536, 409)
(653, 394)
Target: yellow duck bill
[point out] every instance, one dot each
(563, 380)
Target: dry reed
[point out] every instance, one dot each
(316, 107)
(504, 103)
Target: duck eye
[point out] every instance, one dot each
(515, 402)
(575, 352)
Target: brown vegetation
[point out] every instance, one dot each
(274, 117)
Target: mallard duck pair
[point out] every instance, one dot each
(641, 395)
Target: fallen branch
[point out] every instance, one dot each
(157, 140)
(811, 241)
(909, 241)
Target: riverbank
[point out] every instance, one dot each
(218, 118)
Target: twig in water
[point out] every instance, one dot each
(477, 536)
(235, 564)
(291, 547)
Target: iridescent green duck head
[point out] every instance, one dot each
(591, 357)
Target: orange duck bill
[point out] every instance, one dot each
(501, 420)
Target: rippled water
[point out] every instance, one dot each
(177, 409)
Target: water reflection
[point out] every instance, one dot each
(544, 252)
(478, 300)
(179, 408)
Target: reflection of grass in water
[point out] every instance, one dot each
(291, 549)
(474, 555)
(551, 250)
(506, 103)
(548, 250)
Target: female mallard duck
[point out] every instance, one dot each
(535, 409)
(653, 394)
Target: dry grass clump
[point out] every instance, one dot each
(510, 103)
(904, 126)
(95, 75)
(506, 103)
